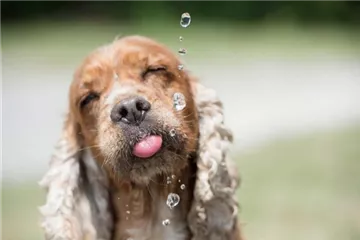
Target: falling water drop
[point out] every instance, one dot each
(181, 38)
(127, 212)
(166, 222)
(173, 176)
(179, 181)
(179, 101)
(182, 186)
(185, 20)
(168, 180)
(182, 51)
(172, 132)
(172, 200)
(180, 67)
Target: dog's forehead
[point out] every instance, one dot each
(134, 51)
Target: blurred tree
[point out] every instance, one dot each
(346, 12)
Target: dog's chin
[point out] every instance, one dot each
(169, 159)
(142, 171)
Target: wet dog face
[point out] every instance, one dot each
(135, 109)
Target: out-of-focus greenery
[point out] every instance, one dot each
(68, 41)
(248, 11)
(304, 188)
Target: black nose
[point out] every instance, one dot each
(131, 110)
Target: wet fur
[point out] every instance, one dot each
(94, 179)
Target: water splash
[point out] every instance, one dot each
(179, 101)
(182, 51)
(172, 200)
(166, 222)
(185, 20)
(172, 132)
(182, 186)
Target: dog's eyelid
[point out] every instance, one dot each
(85, 100)
(156, 68)
(152, 69)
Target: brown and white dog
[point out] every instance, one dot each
(125, 148)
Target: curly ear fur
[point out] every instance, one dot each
(76, 191)
(214, 211)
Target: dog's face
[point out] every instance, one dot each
(122, 98)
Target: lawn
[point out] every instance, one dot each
(301, 188)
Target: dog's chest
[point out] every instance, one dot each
(154, 228)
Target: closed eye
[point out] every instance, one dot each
(88, 98)
(154, 69)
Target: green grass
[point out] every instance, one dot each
(303, 188)
(20, 218)
(306, 188)
(64, 42)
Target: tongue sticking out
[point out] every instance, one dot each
(148, 146)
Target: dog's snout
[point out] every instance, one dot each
(131, 110)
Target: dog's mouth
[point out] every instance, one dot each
(148, 146)
(148, 141)
(149, 150)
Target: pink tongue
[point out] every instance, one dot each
(147, 146)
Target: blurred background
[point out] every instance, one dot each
(287, 72)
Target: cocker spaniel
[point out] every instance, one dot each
(143, 153)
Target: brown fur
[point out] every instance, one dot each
(137, 186)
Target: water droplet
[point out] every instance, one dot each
(185, 20)
(127, 212)
(182, 51)
(172, 200)
(173, 176)
(181, 67)
(168, 180)
(166, 222)
(179, 181)
(127, 218)
(172, 132)
(181, 38)
(126, 205)
(182, 186)
(179, 101)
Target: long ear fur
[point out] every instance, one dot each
(214, 211)
(77, 198)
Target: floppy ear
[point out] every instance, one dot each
(76, 191)
(213, 214)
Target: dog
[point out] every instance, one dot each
(143, 153)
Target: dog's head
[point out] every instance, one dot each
(134, 109)
(139, 116)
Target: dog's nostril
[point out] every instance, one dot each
(142, 105)
(123, 112)
(131, 110)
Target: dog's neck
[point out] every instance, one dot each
(141, 211)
